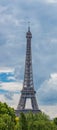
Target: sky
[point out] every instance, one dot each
(14, 17)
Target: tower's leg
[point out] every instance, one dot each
(34, 103)
(21, 104)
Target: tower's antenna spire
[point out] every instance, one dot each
(29, 26)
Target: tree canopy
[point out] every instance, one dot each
(7, 117)
(29, 121)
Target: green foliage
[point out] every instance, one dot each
(17, 127)
(29, 121)
(4, 109)
(22, 122)
(55, 121)
(7, 117)
(39, 121)
(2, 124)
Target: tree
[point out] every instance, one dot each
(5, 109)
(7, 117)
(17, 126)
(29, 121)
(55, 121)
(2, 124)
(22, 122)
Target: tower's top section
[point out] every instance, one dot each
(29, 34)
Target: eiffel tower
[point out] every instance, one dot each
(28, 92)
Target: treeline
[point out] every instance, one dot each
(29, 121)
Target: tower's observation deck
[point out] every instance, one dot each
(28, 91)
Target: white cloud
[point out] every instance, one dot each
(2, 98)
(51, 1)
(10, 93)
(54, 76)
(11, 78)
(2, 8)
(9, 18)
(6, 70)
(11, 86)
(48, 91)
(48, 1)
(50, 110)
(13, 102)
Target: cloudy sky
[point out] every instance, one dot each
(14, 17)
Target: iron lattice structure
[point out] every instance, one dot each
(28, 85)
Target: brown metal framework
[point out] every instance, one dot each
(28, 86)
